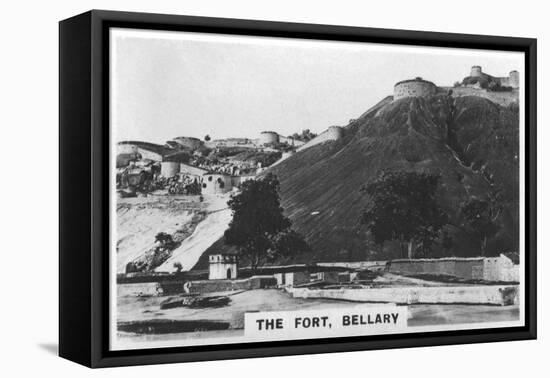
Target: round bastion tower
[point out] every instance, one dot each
(414, 88)
(514, 79)
(268, 137)
(476, 71)
(335, 132)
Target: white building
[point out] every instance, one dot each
(223, 267)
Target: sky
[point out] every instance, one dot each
(169, 84)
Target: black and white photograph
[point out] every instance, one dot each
(271, 189)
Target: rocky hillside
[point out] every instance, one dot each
(471, 141)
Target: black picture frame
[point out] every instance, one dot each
(84, 194)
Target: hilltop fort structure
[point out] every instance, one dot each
(172, 158)
(512, 80)
(417, 87)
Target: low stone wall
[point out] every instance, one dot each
(359, 265)
(501, 98)
(467, 268)
(498, 268)
(138, 289)
(211, 286)
(492, 295)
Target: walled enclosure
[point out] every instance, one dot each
(215, 183)
(414, 88)
(512, 80)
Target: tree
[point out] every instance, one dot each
(447, 242)
(164, 239)
(305, 136)
(480, 216)
(402, 206)
(259, 229)
(286, 243)
(207, 137)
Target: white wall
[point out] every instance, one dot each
(29, 89)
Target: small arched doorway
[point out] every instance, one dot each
(228, 273)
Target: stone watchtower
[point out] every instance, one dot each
(514, 79)
(223, 266)
(268, 137)
(476, 71)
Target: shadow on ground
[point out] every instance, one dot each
(51, 348)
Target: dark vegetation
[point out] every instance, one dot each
(305, 136)
(259, 230)
(402, 207)
(469, 143)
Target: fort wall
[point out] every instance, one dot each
(502, 98)
(169, 168)
(189, 142)
(291, 141)
(331, 134)
(126, 148)
(512, 80)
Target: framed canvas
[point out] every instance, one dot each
(234, 188)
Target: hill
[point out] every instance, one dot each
(470, 141)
